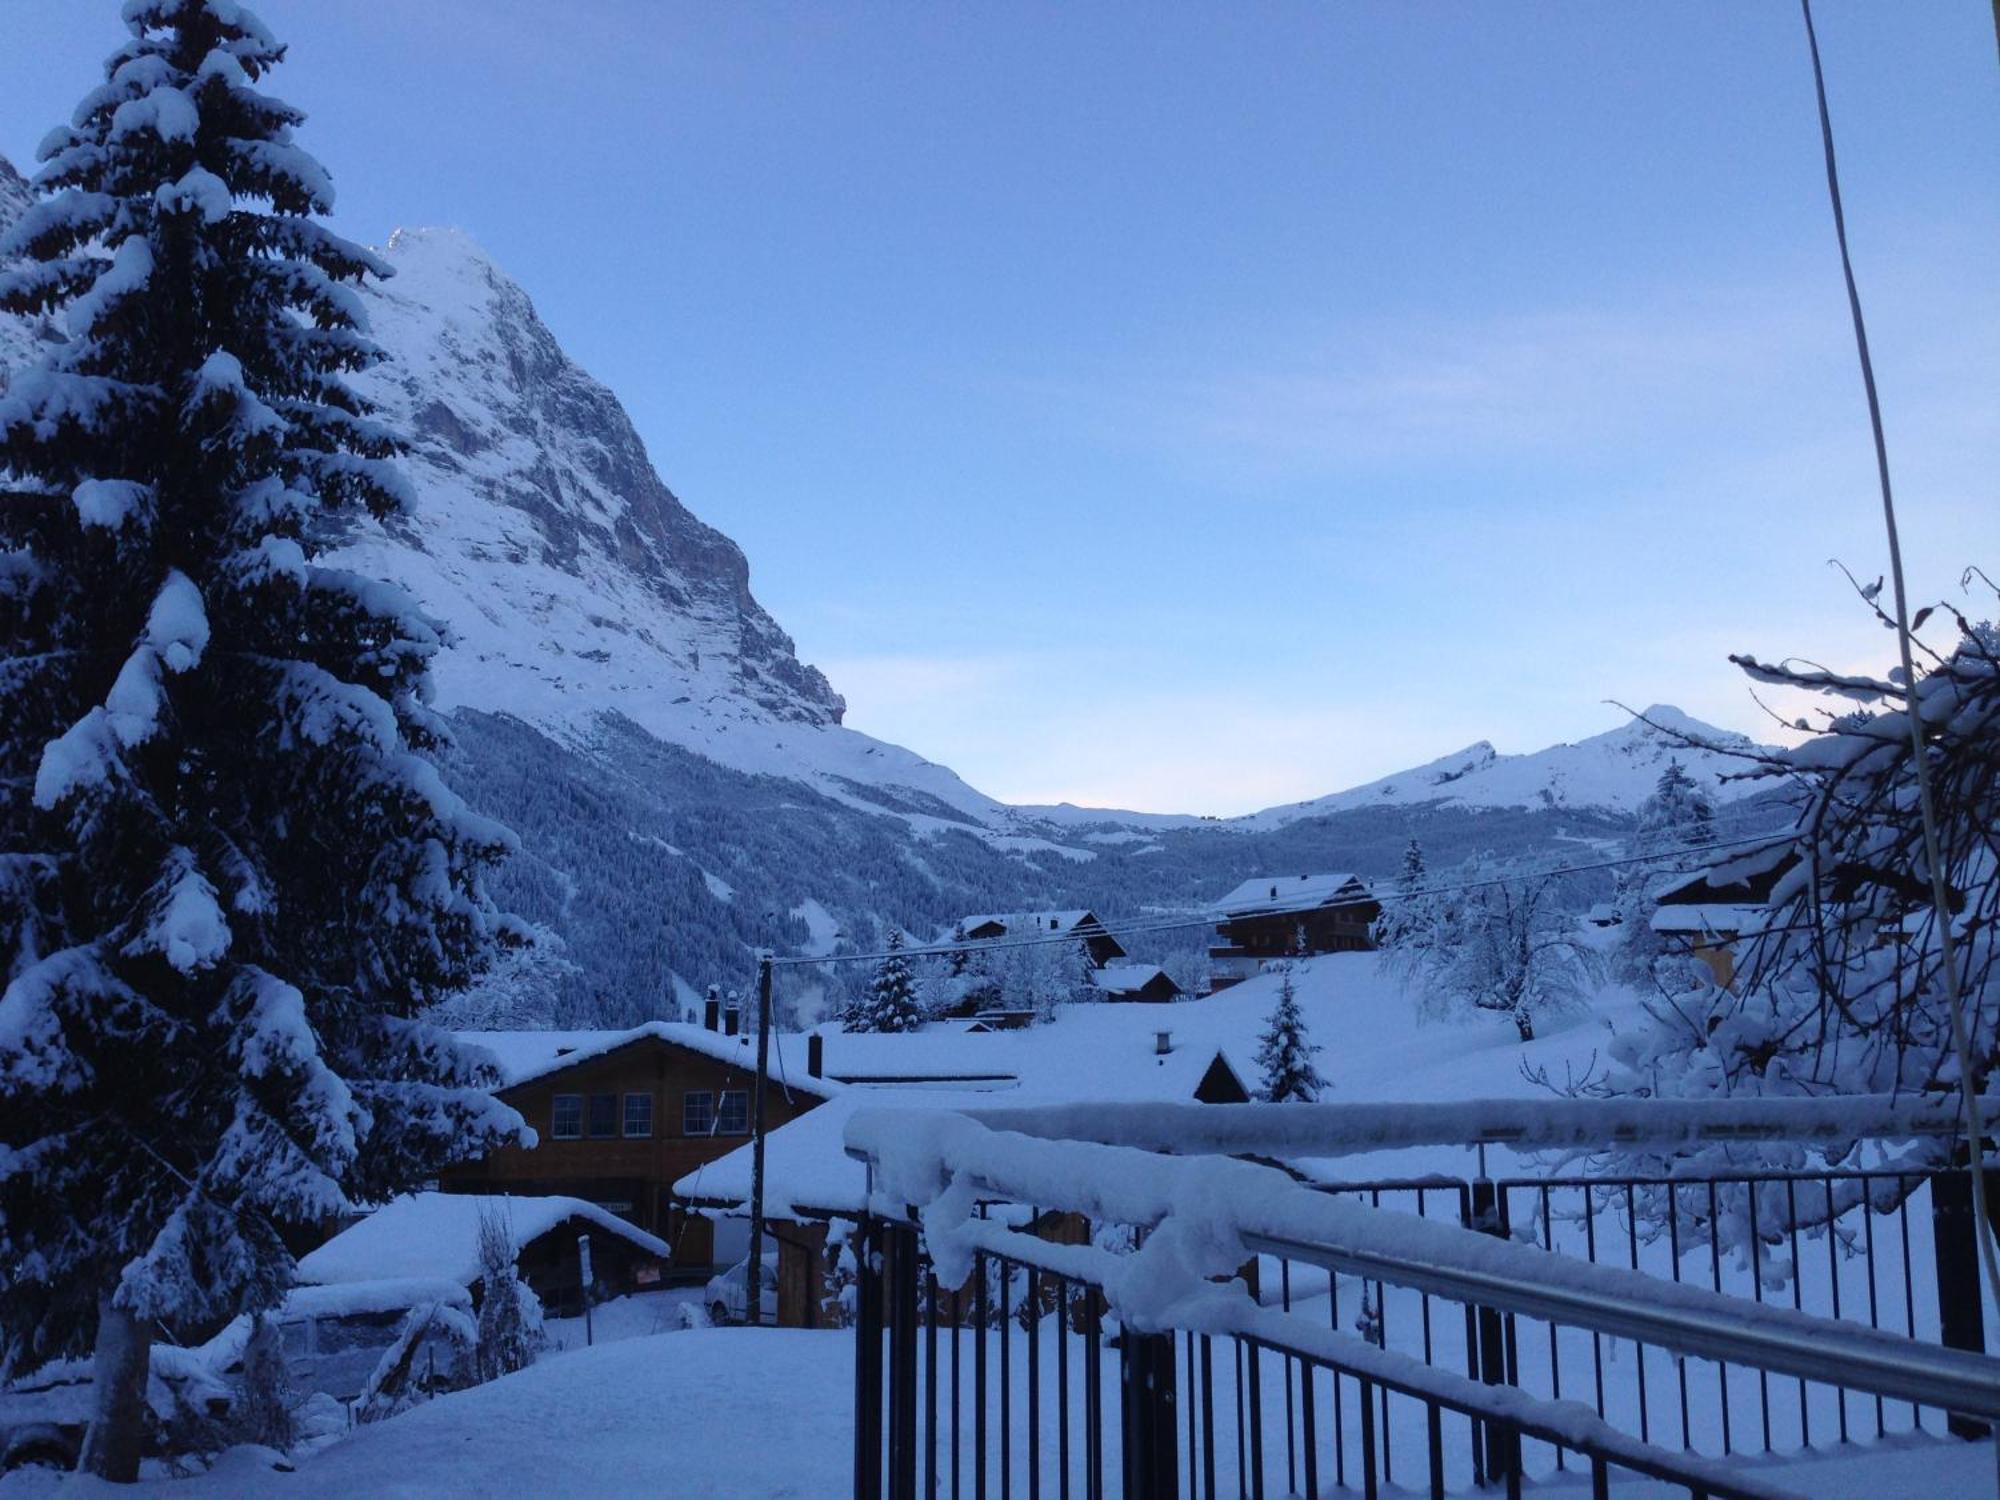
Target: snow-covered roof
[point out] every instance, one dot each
(1127, 979)
(1717, 919)
(526, 1055)
(1286, 892)
(436, 1236)
(1035, 921)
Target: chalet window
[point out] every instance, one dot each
(603, 1116)
(566, 1117)
(638, 1114)
(697, 1113)
(735, 1119)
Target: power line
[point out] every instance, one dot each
(1181, 924)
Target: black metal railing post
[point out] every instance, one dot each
(1955, 1244)
(867, 1361)
(1149, 1401)
(900, 1256)
(1501, 1446)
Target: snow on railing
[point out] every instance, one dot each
(1320, 1130)
(1204, 1216)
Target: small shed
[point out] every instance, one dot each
(435, 1236)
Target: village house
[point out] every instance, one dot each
(1708, 913)
(1285, 916)
(1084, 925)
(621, 1115)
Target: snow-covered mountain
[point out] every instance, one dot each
(1614, 771)
(682, 782)
(575, 583)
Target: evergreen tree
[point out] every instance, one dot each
(1678, 815)
(890, 1002)
(960, 961)
(1083, 975)
(1408, 917)
(1284, 1053)
(229, 874)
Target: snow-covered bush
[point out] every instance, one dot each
(1841, 987)
(435, 1351)
(232, 873)
(265, 1398)
(510, 1314)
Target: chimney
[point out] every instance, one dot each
(1163, 1043)
(816, 1056)
(732, 1018)
(711, 1011)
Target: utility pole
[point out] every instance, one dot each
(753, 1280)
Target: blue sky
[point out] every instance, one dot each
(1200, 407)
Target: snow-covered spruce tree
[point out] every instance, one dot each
(228, 873)
(1677, 816)
(890, 1002)
(1083, 986)
(1285, 1054)
(1410, 916)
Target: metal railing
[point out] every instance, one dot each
(1031, 1382)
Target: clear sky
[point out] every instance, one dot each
(1195, 407)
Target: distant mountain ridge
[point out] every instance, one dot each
(1610, 772)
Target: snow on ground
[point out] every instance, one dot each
(767, 1413)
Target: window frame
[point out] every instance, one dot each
(688, 1098)
(611, 1119)
(556, 1103)
(722, 1111)
(625, 1115)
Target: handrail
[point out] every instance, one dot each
(1951, 1379)
(1323, 1130)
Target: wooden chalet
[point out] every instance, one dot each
(622, 1115)
(1287, 916)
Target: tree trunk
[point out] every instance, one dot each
(117, 1432)
(1526, 1025)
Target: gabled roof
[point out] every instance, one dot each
(1289, 893)
(1128, 979)
(527, 1055)
(1019, 922)
(436, 1236)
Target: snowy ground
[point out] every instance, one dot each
(756, 1413)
